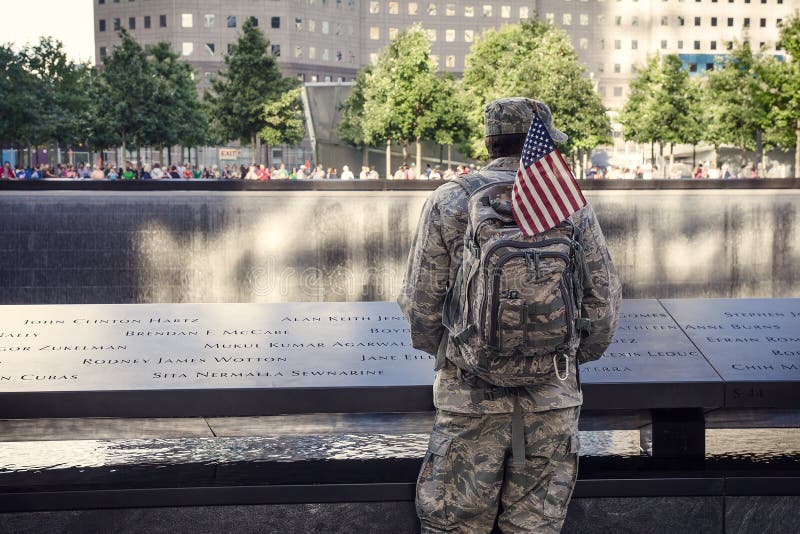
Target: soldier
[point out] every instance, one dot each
(477, 466)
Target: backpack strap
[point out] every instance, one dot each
(473, 182)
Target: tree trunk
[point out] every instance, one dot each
(405, 152)
(365, 156)
(419, 157)
(716, 157)
(694, 158)
(450, 155)
(138, 155)
(671, 157)
(797, 149)
(123, 147)
(169, 156)
(661, 158)
(253, 153)
(652, 153)
(389, 159)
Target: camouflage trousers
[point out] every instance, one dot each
(469, 476)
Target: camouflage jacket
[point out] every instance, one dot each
(432, 266)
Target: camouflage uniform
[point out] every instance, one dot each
(467, 473)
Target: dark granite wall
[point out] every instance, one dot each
(178, 246)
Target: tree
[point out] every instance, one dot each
(536, 60)
(18, 105)
(250, 80)
(402, 94)
(175, 100)
(131, 84)
(737, 107)
(283, 120)
(351, 125)
(639, 118)
(785, 113)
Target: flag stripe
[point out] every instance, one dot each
(552, 204)
(555, 188)
(534, 213)
(520, 216)
(577, 194)
(536, 192)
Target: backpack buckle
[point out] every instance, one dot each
(565, 359)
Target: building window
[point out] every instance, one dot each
(394, 8)
(601, 68)
(681, 20)
(230, 47)
(187, 49)
(450, 10)
(254, 21)
(312, 52)
(697, 21)
(583, 43)
(697, 45)
(450, 62)
(431, 34)
(325, 55)
(584, 19)
(617, 68)
(602, 44)
(665, 21)
(449, 35)
(275, 23)
(680, 45)
(103, 52)
(550, 18)
(211, 48)
(692, 67)
(413, 8)
(617, 44)
(312, 25)
(298, 24)
(469, 11)
(298, 51)
(314, 78)
(602, 91)
(374, 33)
(635, 21)
(435, 60)
(162, 21)
(373, 58)
(487, 10)
(617, 21)
(469, 36)
(618, 91)
(524, 12)
(186, 20)
(709, 66)
(116, 23)
(634, 45)
(505, 12)
(431, 9)
(663, 44)
(339, 55)
(393, 32)
(374, 8)
(131, 23)
(763, 23)
(713, 45)
(566, 19)
(101, 25)
(713, 21)
(231, 21)
(147, 22)
(276, 50)
(208, 21)
(730, 21)
(325, 27)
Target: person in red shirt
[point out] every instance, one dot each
(263, 173)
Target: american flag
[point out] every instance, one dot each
(545, 191)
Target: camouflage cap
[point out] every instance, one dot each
(514, 115)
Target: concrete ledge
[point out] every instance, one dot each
(365, 185)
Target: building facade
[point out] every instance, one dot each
(329, 40)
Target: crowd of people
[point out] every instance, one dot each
(133, 171)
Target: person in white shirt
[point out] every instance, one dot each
(346, 174)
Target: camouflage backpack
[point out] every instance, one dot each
(514, 309)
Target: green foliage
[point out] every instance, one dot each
(403, 96)
(251, 79)
(736, 106)
(784, 99)
(350, 128)
(283, 120)
(535, 60)
(18, 103)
